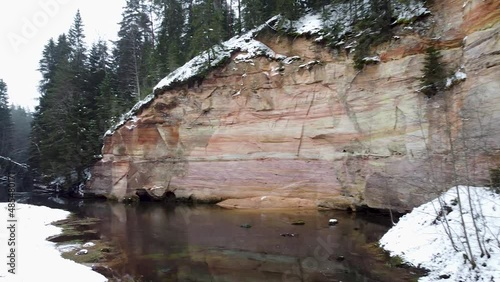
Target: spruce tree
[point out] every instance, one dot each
(5, 122)
(374, 26)
(209, 25)
(317, 4)
(47, 65)
(290, 9)
(434, 74)
(77, 46)
(133, 48)
(73, 112)
(256, 12)
(170, 53)
(62, 119)
(97, 65)
(54, 119)
(109, 105)
(21, 120)
(101, 102)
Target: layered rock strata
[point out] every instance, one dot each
(310, 131)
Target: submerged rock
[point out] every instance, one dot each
(298, 222)
(88, 245)
(82, 252)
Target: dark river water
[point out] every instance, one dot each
(206, 243)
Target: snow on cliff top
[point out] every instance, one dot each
(36, 258)
(310, 23)
(207, 60)
(419, 237)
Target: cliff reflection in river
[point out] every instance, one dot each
(181, 243)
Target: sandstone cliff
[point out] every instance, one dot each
(298, 126)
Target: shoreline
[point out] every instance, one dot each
(37, 258)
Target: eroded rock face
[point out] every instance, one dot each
(314, 132)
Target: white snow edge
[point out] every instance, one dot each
(458, 76)
(374, 59)
(419, 239)
(217, 54)
(37, 258)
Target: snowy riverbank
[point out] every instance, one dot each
(36, 258)
(419, 237)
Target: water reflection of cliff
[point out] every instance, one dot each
(167, 243)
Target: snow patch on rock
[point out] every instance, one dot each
(199, 65)
(374, 59)
(409, 11)
(457, 77)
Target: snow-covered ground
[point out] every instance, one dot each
(419, 237)
(36, 258)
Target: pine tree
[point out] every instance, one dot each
(290, 9)
(53, 120)
(231, 22)
(133, 48)
(21, 119)
(256, 12)
(109, 105)
(62, 117)
(97, 65)
(209, 25)
(170, 53)
(239, 26)
(317, 4)
(47, 65)
(434, 73)
(5, 122)
(45, 121)
(81, 126)
(69, 121)
(101, 102)
(381, 13)
(77, 46)
(375, 28)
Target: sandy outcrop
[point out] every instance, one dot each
(311, 131)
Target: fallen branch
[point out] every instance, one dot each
(23, 166)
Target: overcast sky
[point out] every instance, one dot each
(27, 25)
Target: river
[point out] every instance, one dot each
(205, 243)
